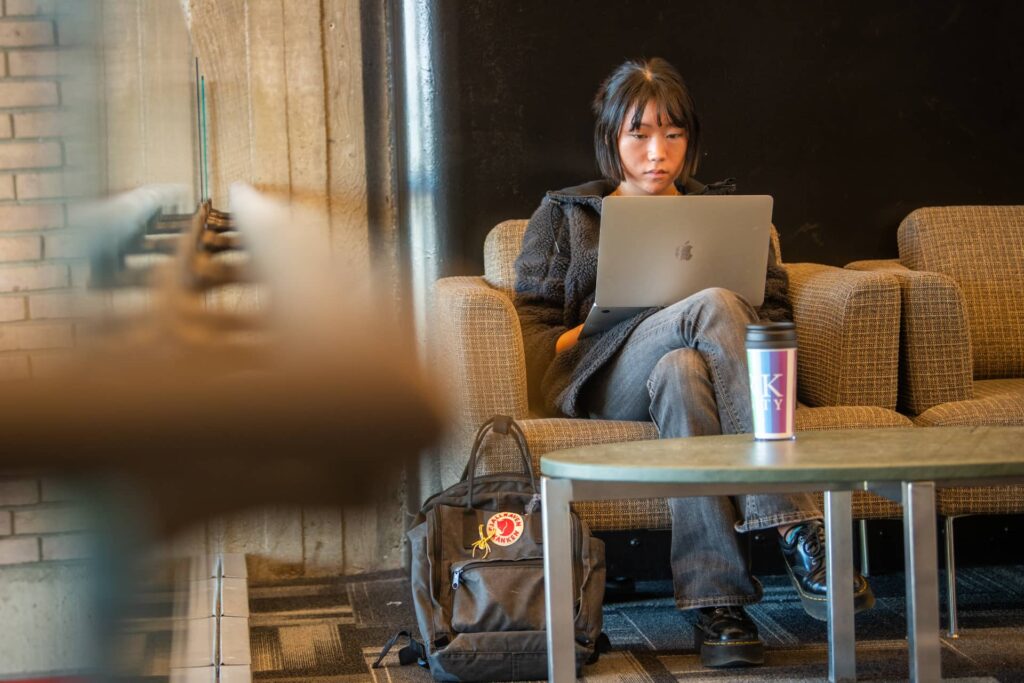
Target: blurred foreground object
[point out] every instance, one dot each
(248, 373)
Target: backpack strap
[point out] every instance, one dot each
(413, 653)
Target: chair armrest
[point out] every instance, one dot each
(877, 265)
(477, 345)
(935, 340)
(848, 328)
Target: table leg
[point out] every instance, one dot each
(922, 572)
(842, 662)
(558, 598)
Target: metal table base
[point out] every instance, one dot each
(920, 547)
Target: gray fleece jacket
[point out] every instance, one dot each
(556, 274)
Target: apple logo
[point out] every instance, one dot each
(684, 252)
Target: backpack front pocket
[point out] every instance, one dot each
(498, 595)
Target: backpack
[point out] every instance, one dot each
(478, 578)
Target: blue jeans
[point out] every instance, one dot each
(685, 368)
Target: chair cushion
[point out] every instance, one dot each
(865, 505)
(980, 500)
(982, 249)
(847, 417)
(995, 402)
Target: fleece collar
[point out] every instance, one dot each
(593, 192)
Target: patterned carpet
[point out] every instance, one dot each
(332, 629)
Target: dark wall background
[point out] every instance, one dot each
(850, 113)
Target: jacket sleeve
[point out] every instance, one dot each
(540, 290)
(776, 306)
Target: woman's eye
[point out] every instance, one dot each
(637, 136)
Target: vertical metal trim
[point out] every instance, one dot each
(422, 206)
(376, 30)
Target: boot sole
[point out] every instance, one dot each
(718, 655)
(817, 606)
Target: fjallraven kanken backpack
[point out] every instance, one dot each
(478, 577)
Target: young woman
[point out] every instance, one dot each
(682, 366)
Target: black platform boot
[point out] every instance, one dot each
(726, 636)
(803, 546)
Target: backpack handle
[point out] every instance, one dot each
(502, 424)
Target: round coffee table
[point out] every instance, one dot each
(903, 464)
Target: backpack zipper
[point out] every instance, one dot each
(457, 571)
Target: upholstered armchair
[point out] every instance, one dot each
(961, 275)
(848, 327)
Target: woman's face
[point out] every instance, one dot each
(652, 155)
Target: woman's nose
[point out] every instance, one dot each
(655, 150)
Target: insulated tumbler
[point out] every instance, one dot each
(771, 361)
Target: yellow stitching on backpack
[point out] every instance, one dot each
(482, 543)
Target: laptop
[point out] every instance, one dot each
(655, 251)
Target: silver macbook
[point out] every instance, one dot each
(655, 251)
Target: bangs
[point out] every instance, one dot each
(678, 112)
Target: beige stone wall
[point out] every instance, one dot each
(285, 108)
(147, 93)
(283, 82)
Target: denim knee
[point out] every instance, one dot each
(720, 299)
(679, 366)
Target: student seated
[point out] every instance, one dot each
(682, 366)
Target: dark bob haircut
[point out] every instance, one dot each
(639, 82)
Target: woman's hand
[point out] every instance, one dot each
(568, 339)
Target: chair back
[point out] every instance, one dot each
(981, 248)
(501, 248)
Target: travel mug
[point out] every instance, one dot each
(771, 361)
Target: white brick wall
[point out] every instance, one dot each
(18, 33)
(19, 492)
(28, 7)
(66, 547)
(28, 336)
(28, 94)
(24, 278)
(49, 520)
(40, 124)
(21, 248)
(35, 259)
(19, 549)
(12, 309)
(40, 520)
(40, 185)
(32, 62)
(19, 155)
